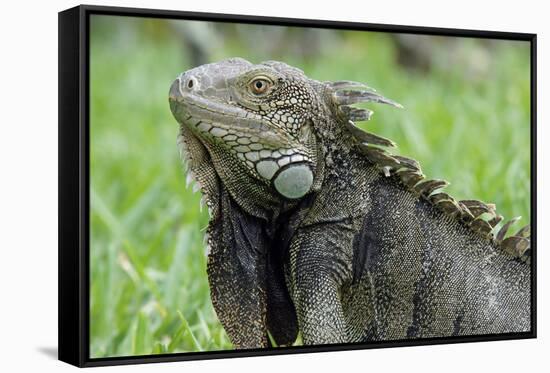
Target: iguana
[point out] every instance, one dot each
(316, 228)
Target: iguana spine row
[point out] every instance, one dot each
(481, 217)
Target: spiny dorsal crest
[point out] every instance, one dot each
(479, 216)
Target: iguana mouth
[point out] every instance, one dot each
(221, 122)
(191, 108)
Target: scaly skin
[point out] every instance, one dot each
(315, 228)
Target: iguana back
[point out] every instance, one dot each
(399, 266)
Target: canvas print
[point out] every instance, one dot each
(260, 186)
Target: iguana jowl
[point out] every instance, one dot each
(316, 228)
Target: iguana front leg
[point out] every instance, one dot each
(318, 273)
(237, 275)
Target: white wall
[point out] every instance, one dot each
(28, 184)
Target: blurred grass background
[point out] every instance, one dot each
(466, 120)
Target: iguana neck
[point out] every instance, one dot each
(215, 173)
(261, 201)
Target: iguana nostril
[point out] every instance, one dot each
(191, 83)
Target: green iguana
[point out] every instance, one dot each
(316, 229)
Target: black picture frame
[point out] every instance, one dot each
(74, 175)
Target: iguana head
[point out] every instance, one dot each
(260, 125)
(255, 119)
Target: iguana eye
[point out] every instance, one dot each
(259, 86)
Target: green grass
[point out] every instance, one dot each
(149, 291)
